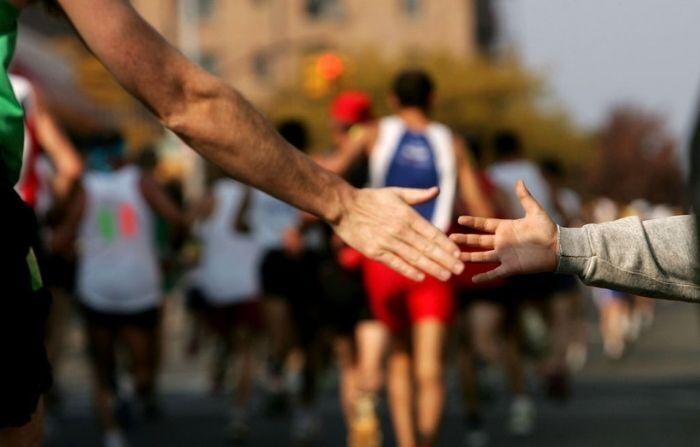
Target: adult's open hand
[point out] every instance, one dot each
(381, 224)
(527, 245)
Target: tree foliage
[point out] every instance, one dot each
(477, 97)
(638, 158)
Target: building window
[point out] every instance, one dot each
(324, 9)
(411, 8)
(486, 26)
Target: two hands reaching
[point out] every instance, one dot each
(380, 225)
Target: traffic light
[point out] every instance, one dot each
(330, 66)
(321, 72)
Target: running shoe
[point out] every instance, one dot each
(114, 438)
(365, 429)
(522, 416)
(275, 389)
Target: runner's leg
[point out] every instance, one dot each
(102, 340)
(142, 343)
(428, 343)
(372, 339)
(345, 357)
(400, 390)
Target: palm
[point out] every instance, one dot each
(523, 243)
(527, 245)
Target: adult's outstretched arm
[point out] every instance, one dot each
(215, 120)
(655, 258)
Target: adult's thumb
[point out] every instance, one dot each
(414, 196)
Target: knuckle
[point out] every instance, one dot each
(400, 266)
(417, 259)
(393, 227)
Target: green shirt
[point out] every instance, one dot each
(11, 113)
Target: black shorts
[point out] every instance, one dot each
(345, 302)
(223, 319)
(145, 319)
(295, 279)
(24, 304)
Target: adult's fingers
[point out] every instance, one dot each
(474, 240)
(497, 273)
(414, 196)
(435, 245)
(529, 204)
(394, 262)
(479, 256)
(488, 225)
(420, 261)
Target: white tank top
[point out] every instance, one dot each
(34, 184)
(410, 159)
(118, 268)
(228, 272)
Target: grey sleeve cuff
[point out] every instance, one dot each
(574, 251)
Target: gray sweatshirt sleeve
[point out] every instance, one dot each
(655, 258)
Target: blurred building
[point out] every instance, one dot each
(78, 89)
(260, 44)
(256, 45)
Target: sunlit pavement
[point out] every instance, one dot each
(650, 398)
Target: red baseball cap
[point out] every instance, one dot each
(351, 107)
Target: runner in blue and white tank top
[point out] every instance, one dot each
(408, 149)
(417, 159)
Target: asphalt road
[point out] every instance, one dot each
(650, 398)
